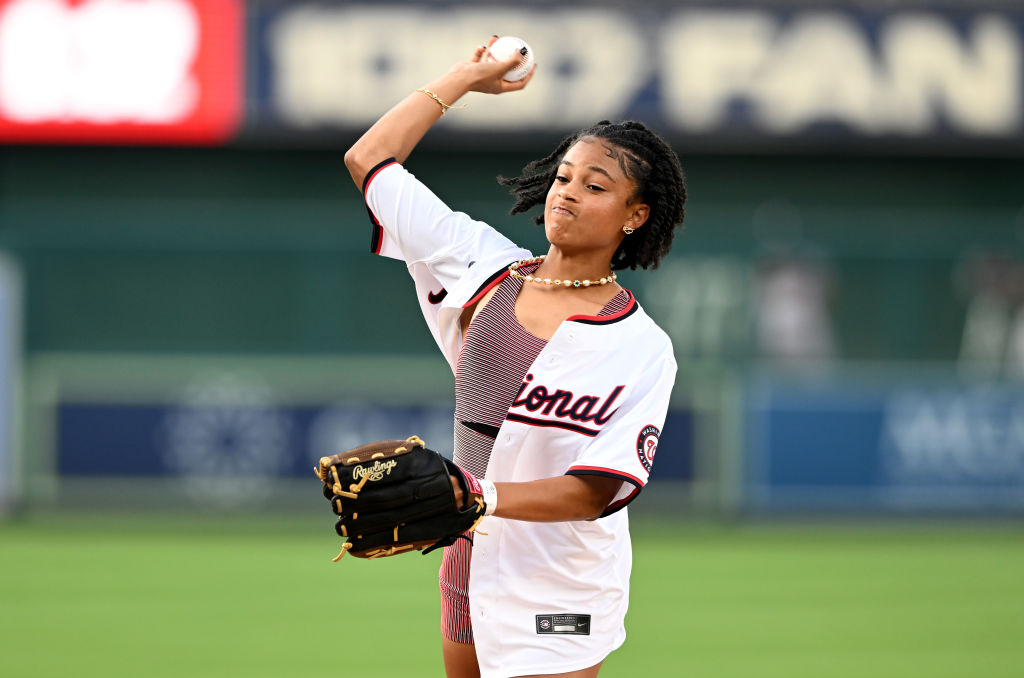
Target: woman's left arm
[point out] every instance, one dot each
(553, 500)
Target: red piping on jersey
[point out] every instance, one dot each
(486, 289)
(608, 318)
(375, 171)
(377, 237)
(615, 472)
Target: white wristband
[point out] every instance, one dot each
(490, 496)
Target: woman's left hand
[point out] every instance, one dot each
(457, 488)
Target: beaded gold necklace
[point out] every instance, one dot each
(513, 270)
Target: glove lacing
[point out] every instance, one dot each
(354, 490)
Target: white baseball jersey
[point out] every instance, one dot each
(544, 597)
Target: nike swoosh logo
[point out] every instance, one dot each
(437, 297)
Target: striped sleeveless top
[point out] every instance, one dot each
(496, 356)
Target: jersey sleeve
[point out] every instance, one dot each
(625, 447)
(409, 222)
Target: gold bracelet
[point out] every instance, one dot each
(444, 106)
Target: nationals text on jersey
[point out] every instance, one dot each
(577, 409)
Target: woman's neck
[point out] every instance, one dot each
(559, 265)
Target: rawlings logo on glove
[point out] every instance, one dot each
(375, 472)
(404, 501)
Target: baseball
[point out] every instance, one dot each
(504, 47)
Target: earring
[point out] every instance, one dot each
(627, 229)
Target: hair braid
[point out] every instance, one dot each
(646, 159)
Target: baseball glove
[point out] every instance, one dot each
(395, 496)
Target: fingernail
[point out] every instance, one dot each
(523, 51)
(495, 35)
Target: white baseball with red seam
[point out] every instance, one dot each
(503, 49)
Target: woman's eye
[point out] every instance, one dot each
(560, 179)
(595, 187)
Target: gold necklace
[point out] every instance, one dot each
(513, 270)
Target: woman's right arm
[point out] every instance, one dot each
(400, 129)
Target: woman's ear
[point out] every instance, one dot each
(639, 216)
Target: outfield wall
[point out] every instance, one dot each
(228, 432)
(849, 331)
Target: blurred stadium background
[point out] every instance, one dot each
(185, 291)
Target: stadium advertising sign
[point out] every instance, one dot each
(717, 75)
(952, 447)
(229, 442)
(122, 71)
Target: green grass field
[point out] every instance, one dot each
(200, 596)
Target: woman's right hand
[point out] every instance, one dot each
(401, 128)
(482, 75)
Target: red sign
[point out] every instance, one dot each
(120, 71)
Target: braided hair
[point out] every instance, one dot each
(646, 159)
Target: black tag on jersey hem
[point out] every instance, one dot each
(566, 624)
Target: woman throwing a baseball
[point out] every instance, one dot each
(562, 381)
